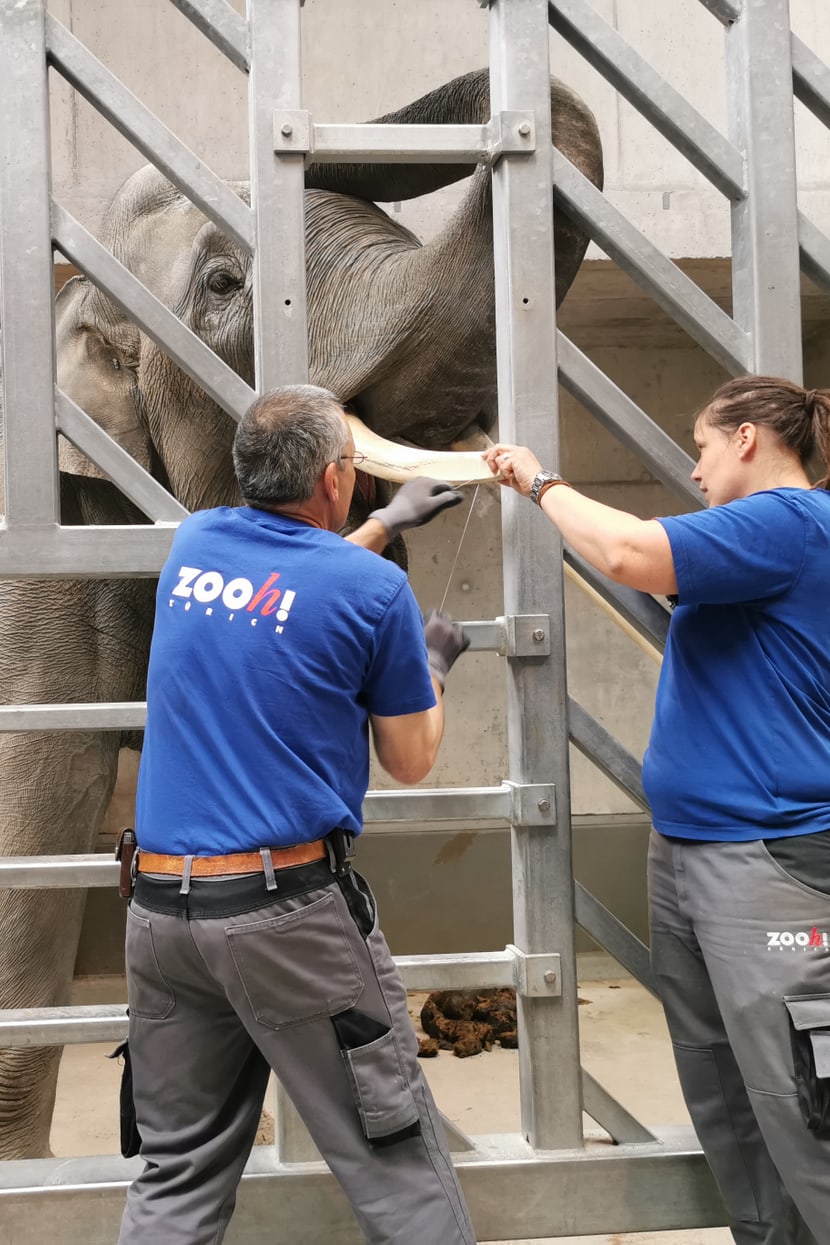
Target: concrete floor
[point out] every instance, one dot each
(623, 1041)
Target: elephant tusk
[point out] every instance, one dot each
(389, 461)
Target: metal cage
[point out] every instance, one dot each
(541, 1182)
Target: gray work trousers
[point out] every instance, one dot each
(738, 951)
(214, 1001)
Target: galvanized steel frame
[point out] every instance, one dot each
(537, 692)
(648, 1186)
(754, 167)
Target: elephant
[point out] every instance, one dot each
(405, 333)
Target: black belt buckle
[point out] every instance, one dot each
(340, 848)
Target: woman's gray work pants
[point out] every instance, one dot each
(305, 985)
(741, 953)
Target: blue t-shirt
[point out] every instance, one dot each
(740, 744)
(273, 642)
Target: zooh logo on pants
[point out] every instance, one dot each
(786, 940)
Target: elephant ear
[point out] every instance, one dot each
(97, 361)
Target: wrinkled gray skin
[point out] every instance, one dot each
(405, 332)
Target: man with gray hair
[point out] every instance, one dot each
(252, 944)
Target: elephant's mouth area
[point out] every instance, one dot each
(366, 488)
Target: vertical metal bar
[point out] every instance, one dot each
(765, 271)
(292, 1140)
(533, 583)
(280, 333)
(26, 271)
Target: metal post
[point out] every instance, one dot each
(277, 188)
(26, 271)
(292, 1140)
(280, 330)
(533, 583)
(765, 265)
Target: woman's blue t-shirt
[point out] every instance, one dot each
(273, 642)
(740, 744)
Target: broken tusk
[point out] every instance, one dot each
(389, 461)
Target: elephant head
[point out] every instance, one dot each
(403, 332)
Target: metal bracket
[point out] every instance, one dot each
(293, 131)
(536, 976)
(525, 635)
(532, 803)
(512, 132)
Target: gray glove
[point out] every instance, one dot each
(415, 503)
(446, 641)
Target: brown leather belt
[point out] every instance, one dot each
(237, 862)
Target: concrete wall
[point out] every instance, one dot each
(362, 58)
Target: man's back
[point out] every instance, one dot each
(274, 640)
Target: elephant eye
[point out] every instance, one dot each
(221, 282)
(116, 364)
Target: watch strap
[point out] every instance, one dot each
(542, 481)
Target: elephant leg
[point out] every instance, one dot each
(72, 776)
(59, 642)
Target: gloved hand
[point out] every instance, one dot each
(445, 642)
(415, 503)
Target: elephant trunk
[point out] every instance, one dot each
(464, 101)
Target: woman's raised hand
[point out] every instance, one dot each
(515, 464)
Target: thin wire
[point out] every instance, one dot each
(458, 549)
(496, 479)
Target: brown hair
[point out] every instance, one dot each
(799, 417)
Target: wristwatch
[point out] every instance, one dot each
(542, 482)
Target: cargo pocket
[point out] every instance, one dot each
(810, 1037)
(149, 994)
(385, 1103)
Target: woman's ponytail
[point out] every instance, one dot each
(817, 406)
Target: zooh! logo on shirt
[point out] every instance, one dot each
(238, 595)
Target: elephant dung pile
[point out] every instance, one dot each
(468, 1021)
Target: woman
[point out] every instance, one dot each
(737, 773)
